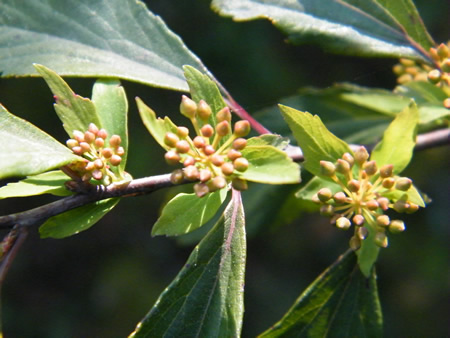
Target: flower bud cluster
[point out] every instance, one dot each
(365, 195)
(99, 153)
(213, 156)
(408, 70)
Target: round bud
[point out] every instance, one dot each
(77, 150)
(217, 160)
(315, 199)
(102, 134)
(240, 164)
(343, 223)
(412, 208)
(370, 168)
(85, 147)
(99, 142)
(223, 115)
(177, 176)
(107, 152)
(239, 184)
(354, 243)
(398, 69)
(93, 128)
(407, 62)
(98, 163)
(362, 233)
(89, 166)
(115, 160)
(403, 183)
(342, 166)
(120, 151)
(188, 107)
(89, 137)
(386, 171)
(381, 239)
(182, 132)
(239, 143)
(217, 183)
(209, 150)
(388, 182)
(86, 176)
(324, 194)
(203, 110)
(349, 158)
(383, 220)
(205, 175)
(227, 168)
(223, 128)
(191, 173)
(443, 51)
(327, 168)
(340, 197)
(405, 78)
(233, 154)
(78, 135)
(170, 139)
(182, 146)
(201, 189)
(207, 130)
(199, 142)
(447, 102)
(445, 66)
(353, 185)
(97, 174)
(189, 160)
(72, 143)
(434, 76)
(242, 128)
(327, 210)
(401, 206)
(372, 205)
(397, 226)
(361, 155)
(171, 157)
(358, 219)
(383, 202)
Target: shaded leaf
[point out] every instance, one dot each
(206, 298)
(74, 221)
(269, 165)
(368, 253)
(187, 212)
(113, 38)
(28, 150)
(316, 141)
(339, 303)
(51, 182)
(375, 28)
(398, 141)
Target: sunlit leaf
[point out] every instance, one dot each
(276, 141)
(113, 38)
(206, 298)
(27, 150)
(314, 185)
(341, 302)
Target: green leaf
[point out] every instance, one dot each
(111, 105)
(75, 112)
(276, 141)
(51, 182)
(206, 298)
(314, 185)
(28, 150)
(156, 126)
(375, 28)
(74, 221)
(412, 195)
(269, 165)
(115, 38)
(316, 141)
(398, 141)
(339, 303)
(186, 212)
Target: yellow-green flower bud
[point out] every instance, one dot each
(383, 202)
(361, 155)
(170, 139)
(434, 76)
(343, 223)
(89, 166)
(223, 128)
(327, 210)
(342, 166)
(388, 182)
(85, 147)
(386, 171)
(324, 194)
(327, 168)
(201, 189)
(223, 115)
(98, 163)
(207, 130)
(381, 239)
(93, 128)
(401, 206)
(340, 197)
(102, 133)
(171, 157)
(107, 152)
(239, 143)
(362, 233)
(242, 128)
(199, 142)
(209, 150)
(240, 164)
(115, 160)
(443, 51)
(189, 160)
(233, 154)
(203, 110)
(354, 185)
(372, 205)
(177, 176)
(77, 150)
(78, 135)
(188, 107)
(191, 173)
(239, 184)
(89, 137)
(358, 219)
(412, 208)
(354, 243)
(182, 132)
(120, 151)
(315, 199)
(182, 146)
(72, 143)
(115, 141)
(218, 182)
(217, 160)
(349, 158)
(383, 220)
(99, 142)
(397, 226)
(204, 175)
(446, 65)
(403, 183)
(227, 168)
(370, 168)
(97, 174)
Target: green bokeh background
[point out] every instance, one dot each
(101, 282)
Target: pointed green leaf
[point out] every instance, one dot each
(381, 28)
(276, 141)
(75, 112)
(111, 105)
(413, 195)
(339, 303)
(317, 142)
(368, 253)
(74, 221)
(28, 150)
(267, 164)
(156, 126)
(399, 140)
(114, 38)
(187, 212)
(206, 298)
(51, 182)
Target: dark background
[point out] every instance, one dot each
(101, 282)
